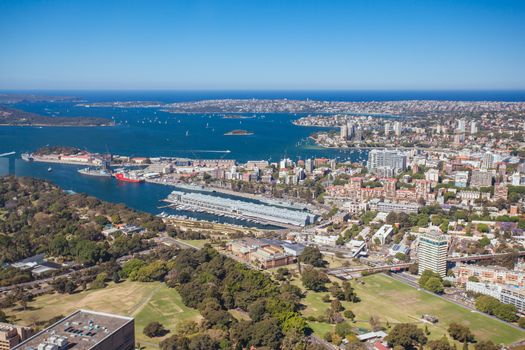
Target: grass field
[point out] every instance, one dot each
(396, 302)
(197, 243)
(146, 302)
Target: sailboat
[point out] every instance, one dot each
(187, 132)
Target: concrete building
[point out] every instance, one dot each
(514, 296)
(432, 175)
(383, 233)
(489, 289)
(386, 158)
(462, 125)
(387, 207)
(481, 178)
(344, 132)
(490, 274)
(325, 240)
(397, 129)
(487, 161)
(461, 179)
(387, 129)
(473, 127)
(85, 330)
(12, 335)
(432, 252)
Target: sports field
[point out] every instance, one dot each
(146, 302)
(395, 302)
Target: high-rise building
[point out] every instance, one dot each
(432, 252)
(461, 125)
(394, 160)
(473, 127)
(309, 166)
(85, 330)
(344, 132)
(351, 129)
(358, 136)
(487, 161)
(397, 128)
(387, 129)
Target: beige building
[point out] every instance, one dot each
(12, 335)
(432, 252)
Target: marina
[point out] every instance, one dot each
(260, 213)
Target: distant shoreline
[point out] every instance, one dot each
(59, 125)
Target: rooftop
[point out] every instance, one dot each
(81, 330)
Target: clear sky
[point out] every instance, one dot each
(262, 44)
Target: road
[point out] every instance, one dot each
(402, 277)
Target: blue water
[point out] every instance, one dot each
(329, 95)
(149, 132)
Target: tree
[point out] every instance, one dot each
(267, 333)
(203, 342)
(154, 329)
(521, 322)
(441, 344)
(100, 281)
(406, 335)
(486, 345)
(175, 342)
(336, 305)
(413, 268)
(257, 310)
(434, 285)
(343, 329)
(349, 293)
(425, 276)
(460, 333)
(312, 256)
(116, 277)
(506, 312)
(486, 304)
(375, 323)
(349, 314)
(3, 317)
(314, 279)
(187, 327)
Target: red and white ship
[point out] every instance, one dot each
(126, 177)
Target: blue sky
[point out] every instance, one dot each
(262, 44)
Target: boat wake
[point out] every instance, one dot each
(206, 151)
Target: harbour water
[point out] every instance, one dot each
(150, 132)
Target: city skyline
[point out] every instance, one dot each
(308, 45)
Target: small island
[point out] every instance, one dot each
(238, 132)
(234, 116)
